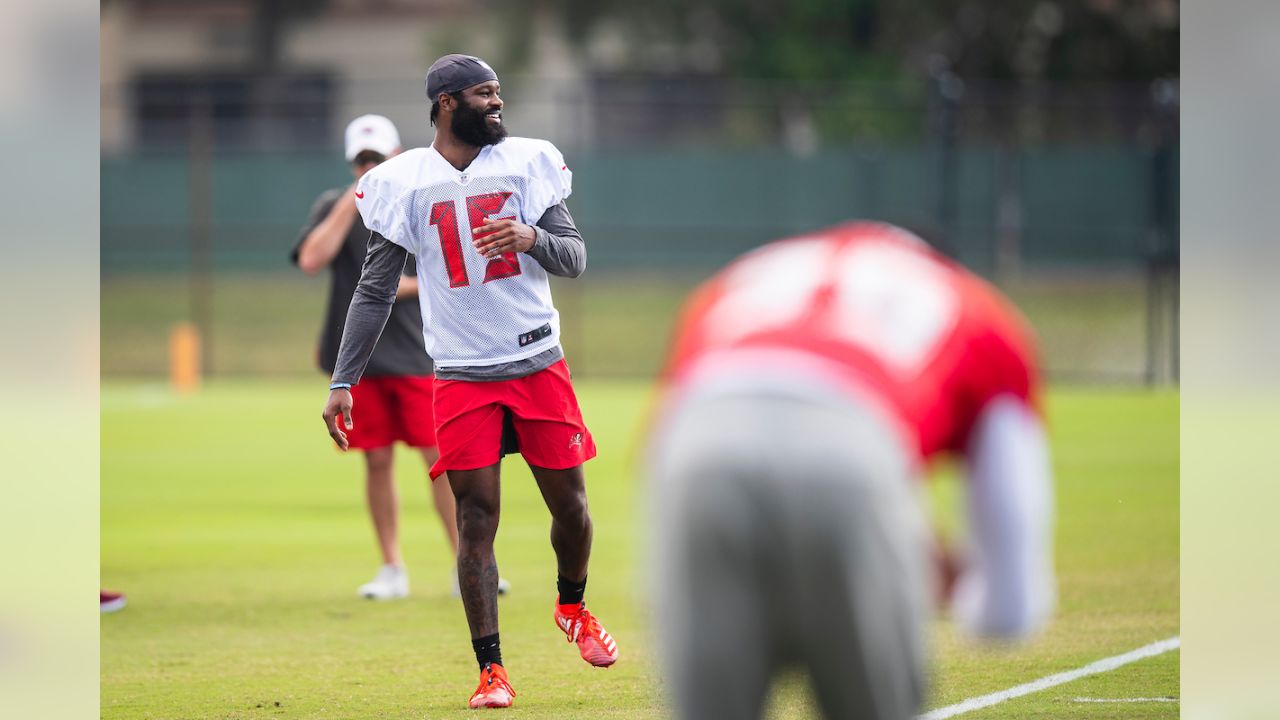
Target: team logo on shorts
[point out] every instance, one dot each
(576, 440)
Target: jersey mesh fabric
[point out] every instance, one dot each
(475, 311)
(481, 322)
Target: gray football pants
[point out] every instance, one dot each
(787, 533)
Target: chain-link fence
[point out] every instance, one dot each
(1066, 197)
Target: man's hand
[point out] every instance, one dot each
(324, 241)
(503, 235)
(339, 404)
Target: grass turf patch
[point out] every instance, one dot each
(240, 536)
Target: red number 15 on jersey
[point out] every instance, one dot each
(444, 215)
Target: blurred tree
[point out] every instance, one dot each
(852, 68)
(756, 39)
(1058, 40)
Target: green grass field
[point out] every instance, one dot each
(615, 326)
(240, 537)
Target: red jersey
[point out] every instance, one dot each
(882, 309)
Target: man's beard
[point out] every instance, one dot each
(471, 127)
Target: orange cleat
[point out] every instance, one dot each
(594, 642)
(494, 690)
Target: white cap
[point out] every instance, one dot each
(371, 132)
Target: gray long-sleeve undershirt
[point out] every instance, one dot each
(558, 247)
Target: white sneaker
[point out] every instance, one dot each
(110, 601)
(504, 587)
(391, 582)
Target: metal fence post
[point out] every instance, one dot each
(1162, 242)
(199, 169)
(947, 90)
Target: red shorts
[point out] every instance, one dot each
(391, 408)
(541, 410)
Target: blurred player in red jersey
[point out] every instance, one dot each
(808, 384)
(484, 216)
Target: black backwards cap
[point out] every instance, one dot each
(452, 73)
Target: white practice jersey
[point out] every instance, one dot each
(475, 312)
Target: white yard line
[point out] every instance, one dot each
(1123, 700)
(1101, 666)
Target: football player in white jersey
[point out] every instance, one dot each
(484, 215)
